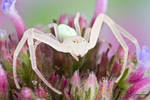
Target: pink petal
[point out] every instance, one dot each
(138, 88)
(137, 75)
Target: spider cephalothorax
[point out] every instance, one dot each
(68, 40)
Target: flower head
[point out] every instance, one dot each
(143, 56)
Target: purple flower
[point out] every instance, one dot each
(138, 88)
(3, 82)
(143, 56)
(101, 7)
(8, 7)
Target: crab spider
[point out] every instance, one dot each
(67, 40)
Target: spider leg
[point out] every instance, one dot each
(51, 41)
(55, 30)
(34, 65)
(128, 35)
(16, 53)
(95, 34)
(87, 34)
(75, 57)
(76, 23)
(38, 42)
(48, 27)
(52, 25)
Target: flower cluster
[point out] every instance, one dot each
(91, 78)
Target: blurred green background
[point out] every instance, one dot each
(133, 15)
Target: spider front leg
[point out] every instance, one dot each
(29, 35)
(16, 53)
(128, 35)
(34, 65)
(49, 26)
(45, 38)
(95, 34)
(42, 37)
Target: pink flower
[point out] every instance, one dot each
(101, 7)
(3, 82)
(8, 7)
(137, 88)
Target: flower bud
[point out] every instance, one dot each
(105, 90)
(91, 86)
(75, 82)
(27, 93)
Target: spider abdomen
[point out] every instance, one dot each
(66, 31)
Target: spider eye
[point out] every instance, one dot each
(74, 41)
(77, 41)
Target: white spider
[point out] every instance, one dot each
(68, 40)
